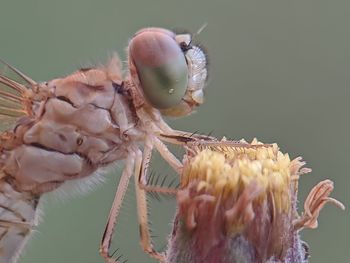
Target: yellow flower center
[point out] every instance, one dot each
(225, 172)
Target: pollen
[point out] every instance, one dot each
(226, 172)
(240, 178)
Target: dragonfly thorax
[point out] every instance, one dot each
(77, 124)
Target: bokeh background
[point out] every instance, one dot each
(279, 71)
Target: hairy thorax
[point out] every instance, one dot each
(75, 125)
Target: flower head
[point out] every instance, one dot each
(237, 203)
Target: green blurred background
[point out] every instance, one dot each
(279, 70)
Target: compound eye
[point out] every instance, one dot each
(161, 66)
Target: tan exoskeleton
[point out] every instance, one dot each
(70, 127)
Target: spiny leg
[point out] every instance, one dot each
(180, 137)
(183, 138)
(167, 155)
(143, 179)
(168, 130)
(228, 144)
(141, 167)
(114, 212)
(207, 141)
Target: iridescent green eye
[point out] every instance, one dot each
(161, 66)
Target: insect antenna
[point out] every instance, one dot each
(197, 33)
(201, 29)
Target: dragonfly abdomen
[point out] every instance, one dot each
(17, 217)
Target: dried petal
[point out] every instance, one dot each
(316, 200)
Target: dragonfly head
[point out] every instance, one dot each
(170, 72)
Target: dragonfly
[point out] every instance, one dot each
(71, 127)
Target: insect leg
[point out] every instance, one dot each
(180, 137)
(203, 141)
(140, 174)
(114, 212)
(167, 155)
(143, 179)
